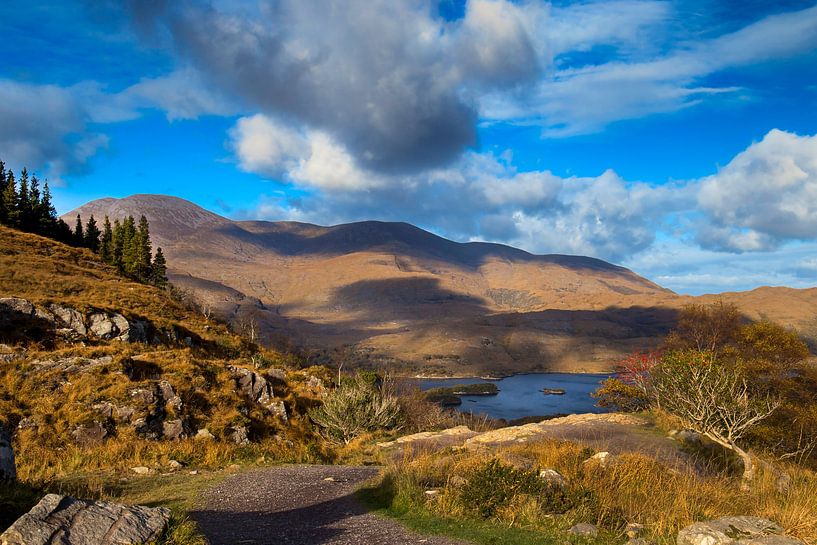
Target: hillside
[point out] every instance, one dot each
(392, 294)
(98, 372)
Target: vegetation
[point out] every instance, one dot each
(358, 405)
(24, 206)
(497, 496)
(740, 384)
(125, 245)
(53, 402)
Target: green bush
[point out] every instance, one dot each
(358, 405)
(494, 484)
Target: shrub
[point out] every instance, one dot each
(357, 406)
(620, 396)
(493, 485)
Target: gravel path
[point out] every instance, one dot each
(301, 504)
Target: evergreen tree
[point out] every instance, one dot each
(142, 266)
(92, 234)
(118, 245)
(23, 204)
(79, 237)
(10, 199)
(130, 247)
(106, 243)
(3, 184)
(159, 270)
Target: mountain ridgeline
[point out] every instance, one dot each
(391, 294)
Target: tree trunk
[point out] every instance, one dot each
(748, 466)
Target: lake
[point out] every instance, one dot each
(521, 395)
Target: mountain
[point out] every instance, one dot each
(393, 294)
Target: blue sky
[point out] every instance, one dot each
(678, 138)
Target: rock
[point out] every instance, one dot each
(109, 326)
(634, 530)
(603, 459)
(141, 470)
(194, 472)
(432, 492)
(71, 318)
(8, 469)
(553, 477)
(70, 365)
(15, 305)
(146, 396)
(251, 384)
(204, 435)
(169, 397)
(739, 530)
(27, 423)
(314, 383)
(278, 409)
(584, 529)
(174, 429)
(175, 464)
(94, 434)
(277, 375)
(240, 435)
(639, 541)
(105, 409)
(60, 520)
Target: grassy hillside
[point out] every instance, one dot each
(90, 406)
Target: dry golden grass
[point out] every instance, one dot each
(635, 488)
(44, 271)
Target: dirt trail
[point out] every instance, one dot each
(300, 504)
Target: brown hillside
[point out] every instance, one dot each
(391, 293)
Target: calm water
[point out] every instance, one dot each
(521, 395)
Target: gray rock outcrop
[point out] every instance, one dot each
(8, 469)
(257, 389)
(70, 317)
(739, 530)
(60, 520)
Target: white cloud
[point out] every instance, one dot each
(44, 126)
(765, 196)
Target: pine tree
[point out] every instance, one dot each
(23, 204)
(142, 269)
(3, 184)
(10, 199)
(79, 237)
(130, 247)
(106, 243)
(159, 270)
(47, 215)
(92, 234)
(118, 244)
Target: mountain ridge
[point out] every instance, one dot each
(392, 294)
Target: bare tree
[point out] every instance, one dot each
(711, 399)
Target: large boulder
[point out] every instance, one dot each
(739, 530)
(70, 317)
(60, 520)
(8, 470)
(109, 326)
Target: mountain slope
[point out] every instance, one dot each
(391, 293)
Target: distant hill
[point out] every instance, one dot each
(393, 294)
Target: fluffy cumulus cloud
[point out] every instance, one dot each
(481, 196)
(765, 196)
(402, 89)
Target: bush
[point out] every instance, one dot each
(619, 396)
(357, 406)
(494, 485)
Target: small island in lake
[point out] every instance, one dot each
(450, 396)
(553, 391)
